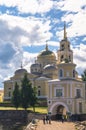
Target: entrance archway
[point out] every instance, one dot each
(58, 109)
(61, 110)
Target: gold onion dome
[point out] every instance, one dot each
(46, 52)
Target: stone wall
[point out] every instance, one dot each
(20, 115)
(13, 114)
(78, 117)
(32, 116)
(6, 104)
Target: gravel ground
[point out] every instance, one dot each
(56, 125)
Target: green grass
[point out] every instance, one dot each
(10, 108)
(37, 109)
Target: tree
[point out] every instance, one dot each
(16, 96)
(26, 92)
(84, 75)
(34, 98)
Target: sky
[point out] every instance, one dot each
(26, 26)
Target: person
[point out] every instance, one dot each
(47, 118)
(66, 117)
(44, 119)
(62, 118)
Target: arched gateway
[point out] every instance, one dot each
(58, 109)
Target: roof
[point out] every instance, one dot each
(65, 80)
(19, 71)
(46, 52)
(50, 67)
(35, 65)
(42, 78)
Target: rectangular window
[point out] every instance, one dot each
(9, 94)
(78, 93)
(59, 93)
(80, 107)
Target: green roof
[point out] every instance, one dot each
(46, 52)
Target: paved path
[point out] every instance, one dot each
(55, 125)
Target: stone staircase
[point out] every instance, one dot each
(80, 125)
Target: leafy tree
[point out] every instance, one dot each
(16, 96)
(34, 98)
(84, 75)
(26, 92)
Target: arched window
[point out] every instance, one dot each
(78, 93)
(73, 73)
(39, 92)
(61, 73)
(35, 69)
(39, 86)
(62, 57)
(68, 46)
(31, 70)
(62, 47)
(69, 58)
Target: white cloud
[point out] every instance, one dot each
(79, 58)
(28, 59)
(84, 39)
(16, 32)
(9, 3)
(75, 16)
(29, 6)
(35, 6)
(70, 5)
(53, 43)
(1, 77)
(25, 31)
(78, 24)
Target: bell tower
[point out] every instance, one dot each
(66, 67)
(65, 54)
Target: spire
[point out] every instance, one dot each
(65, 33)
(46, 46)
(21, 65)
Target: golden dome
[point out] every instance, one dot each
(46, 52)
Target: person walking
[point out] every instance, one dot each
(44, 120)
(47, 119)
(62, 118)
(66, 118)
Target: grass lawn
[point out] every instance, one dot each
(37, 109)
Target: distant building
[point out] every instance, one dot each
(56, 80)
(1, 95)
